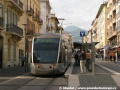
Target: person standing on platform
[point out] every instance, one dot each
(83, 62)
(22, 58)
(76, 58)
(88, 61)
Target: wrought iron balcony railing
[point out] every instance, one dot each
(16, 4)
(21, 4)
(13, 29)
(30, 11)
(30, 32)
(40, 21)
(36, 17)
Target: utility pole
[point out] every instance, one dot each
(61, 23)
(26, 58)
(92, 53)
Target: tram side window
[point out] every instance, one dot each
(62, 53)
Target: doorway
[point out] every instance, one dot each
(1, 51)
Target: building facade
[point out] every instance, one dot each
(10, 32)
(111, 24)
(118, 25)
(99, 27)
(118, 22)
(54, 24)
(31, 24)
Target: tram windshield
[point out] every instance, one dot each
(45, 50)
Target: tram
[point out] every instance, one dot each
(51, 54)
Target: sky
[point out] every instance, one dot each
(80, 13)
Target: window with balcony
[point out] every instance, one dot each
(12, 18)
(114, 27)
(114, 13)
(30, 27)
(114, 2)
(12, 24)
(1, 16)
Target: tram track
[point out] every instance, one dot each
(29, 82)
(48, 86)
(24, 84)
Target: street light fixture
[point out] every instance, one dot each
(93, 53)
(62, 21)
(26, 57)
(61, 24)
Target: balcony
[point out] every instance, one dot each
(112, 34)
(36, 17)
(114, 19)
(14, 30)
(30, 11)
(40, 21)
(16, 4)
(118, 1)
(29, 33)
(1, 23)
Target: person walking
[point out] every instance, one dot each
(76, 58)
(82, 62)
(112, 55)
(22, 58)
(88, 61)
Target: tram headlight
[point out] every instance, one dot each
(51, 66)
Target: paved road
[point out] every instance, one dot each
(13, 79)
(9, 73)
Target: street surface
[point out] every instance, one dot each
(107, 75)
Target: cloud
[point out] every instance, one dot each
(79, 12)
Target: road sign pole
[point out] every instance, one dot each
(82, 34)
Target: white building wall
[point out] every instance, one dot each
(118, 16)
(45, 16)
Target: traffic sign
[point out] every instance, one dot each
(82, 33)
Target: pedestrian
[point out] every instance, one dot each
(112, 55)
(88, 61)
(76, 58)
(22, 58)
(83, 62)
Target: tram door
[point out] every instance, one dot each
(1, 42)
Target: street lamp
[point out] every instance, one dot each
(93, 52)
(62, 21)
(26, 58)
(61, 24)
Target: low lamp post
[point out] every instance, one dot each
(93, 52)
(26, 58)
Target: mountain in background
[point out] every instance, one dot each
(74, 31)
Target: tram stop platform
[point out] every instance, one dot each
(100, 80)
